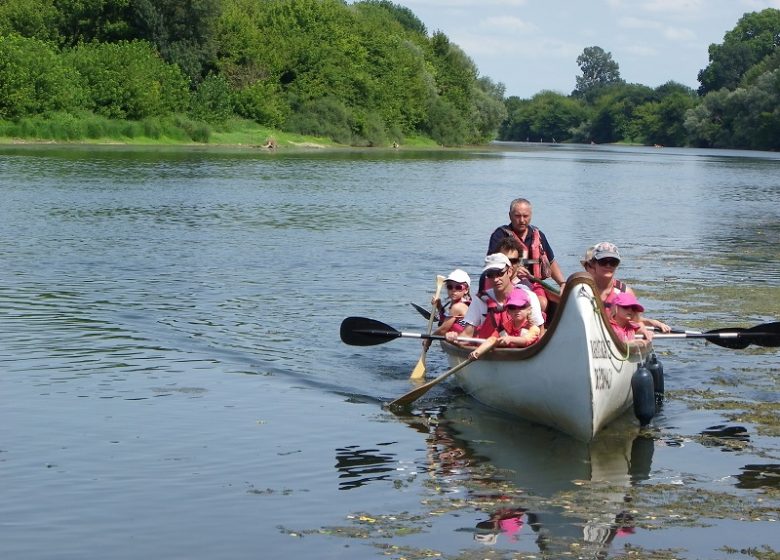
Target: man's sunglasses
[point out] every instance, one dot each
(456, 286)
(608, 262)
(494, 273)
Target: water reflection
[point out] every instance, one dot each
(531, 482)
(361, 466)
(728, 438)
(754, 477)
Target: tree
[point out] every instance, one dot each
(547, 115)
(34, 79)
(756, 36)
(598, 70)
(614, 111)
(743, 118)
(29, 18)
(184, 32)
(129, 80)
(83, 21)
(662, 122)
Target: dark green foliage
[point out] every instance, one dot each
(83, 21)
(182, 31)
(363, 73)
(743, 118)
(29, 18)
(129, 80)
(755, 37)
(598, 71)
(548, 116)
(34, 79)
(327, 116)
(261, 102)
(401, 14)
(212, 100)
(662, 122)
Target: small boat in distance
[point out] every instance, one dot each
(577, 378)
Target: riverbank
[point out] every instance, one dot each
(236, 133)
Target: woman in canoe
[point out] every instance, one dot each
(601, 262)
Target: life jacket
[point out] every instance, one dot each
(533, 253)
(495, 318)
(617, 287)
(459, 324)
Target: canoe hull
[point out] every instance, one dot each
(576, 379)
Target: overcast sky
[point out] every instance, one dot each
(533, 45)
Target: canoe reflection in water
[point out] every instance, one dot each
(534, 482)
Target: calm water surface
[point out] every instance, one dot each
(172, 383)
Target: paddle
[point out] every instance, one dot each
(767, 335)
(553, 289)
(415, 394)
(419, 370)
(422, 311)
(361, 331)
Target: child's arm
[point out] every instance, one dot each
(531, 335)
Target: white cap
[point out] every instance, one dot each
(497, 260)
(459, 276)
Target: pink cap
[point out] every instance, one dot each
(518, 297)
(624, 299)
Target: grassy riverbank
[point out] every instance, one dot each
(176, 130)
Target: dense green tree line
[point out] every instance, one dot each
(737, 105)
(366, 73)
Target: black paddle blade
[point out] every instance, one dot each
(424, 312)
(361, 331)
(739, 342)
(767, 335)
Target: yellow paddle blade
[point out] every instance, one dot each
(419, 370)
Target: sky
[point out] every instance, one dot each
(533, 45)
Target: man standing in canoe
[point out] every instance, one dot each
(536, 249)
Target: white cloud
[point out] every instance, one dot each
(679, 34)
(674, 6)
(508, 23)
(476, 4)
(758, 5)
(639, 23)
(641, 50)
(491, 45)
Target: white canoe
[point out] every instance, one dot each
(576, 379)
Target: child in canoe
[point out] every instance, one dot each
(451, 312)
(625, 319)
(516, 331)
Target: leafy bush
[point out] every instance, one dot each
(129, 80)
(211, 102)
(34, 79)
(261, 102)
(327, 116)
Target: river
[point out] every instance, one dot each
(172, 383)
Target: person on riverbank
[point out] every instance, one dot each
(625, 319)
(515, 329)
(453, 310)
(510, 246)
(536, 252)
(601, 261)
